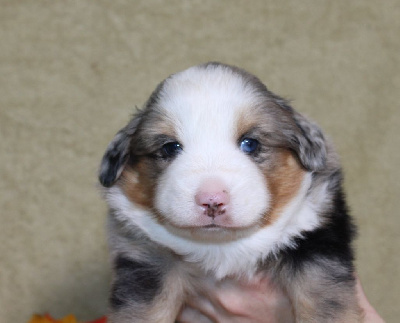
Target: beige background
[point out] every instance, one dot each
(72, 71)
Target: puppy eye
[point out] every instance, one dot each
(249, 145)
(171, 149)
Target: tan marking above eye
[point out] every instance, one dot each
(245, 122)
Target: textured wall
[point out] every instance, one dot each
(71, 73)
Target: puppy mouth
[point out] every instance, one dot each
(218, 228)
(213, 227)
(210, 226)
(207, 227)
(213, 233)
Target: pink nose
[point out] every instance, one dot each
(213, 199)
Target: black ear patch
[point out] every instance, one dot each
(117, 154)
(114, 159)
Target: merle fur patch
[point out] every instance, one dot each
(136, 281)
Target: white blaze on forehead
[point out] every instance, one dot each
(206, 103)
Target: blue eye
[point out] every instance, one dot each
(248, 145)
(171, 149)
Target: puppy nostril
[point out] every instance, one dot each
(212, 210)
(213, 198)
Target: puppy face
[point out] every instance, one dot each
(214, 155)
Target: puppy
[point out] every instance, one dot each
(218, 178)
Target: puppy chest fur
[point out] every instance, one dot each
(218, 178)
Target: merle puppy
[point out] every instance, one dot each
(217, 178)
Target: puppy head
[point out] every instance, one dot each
(213, 153)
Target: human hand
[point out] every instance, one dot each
(370, 314)
(255, 301)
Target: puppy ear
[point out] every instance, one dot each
(305, 138)
(117, 154)
(308, 141)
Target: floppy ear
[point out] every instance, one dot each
(117, 154)
(305, 138)
(309, 143)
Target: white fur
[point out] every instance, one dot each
(237, 257)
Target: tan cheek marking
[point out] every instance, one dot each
(284, 179)
(137, 185)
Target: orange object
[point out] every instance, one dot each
(100, 320)
(67, 319)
